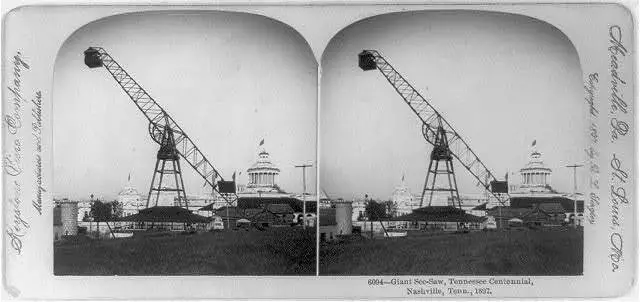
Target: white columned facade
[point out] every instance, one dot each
(535, 174)
(262, 174)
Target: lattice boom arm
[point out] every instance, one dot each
(461, 150)
(430, 117)
(157, 116)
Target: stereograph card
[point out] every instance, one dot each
(319, 150)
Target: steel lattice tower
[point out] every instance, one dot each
(167, 164)
(440, 155)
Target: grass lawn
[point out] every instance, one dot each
(275, 251)
(556, 251)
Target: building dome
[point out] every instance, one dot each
(535, 162)
(404, 200)
(263, 174)
(130, 199)
(535, 175)
(263, 164)
(128, 190)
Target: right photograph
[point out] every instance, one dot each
(451, 143)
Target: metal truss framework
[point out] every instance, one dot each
(440, 153)
(167, 164)
(159, 119)
(432, 120)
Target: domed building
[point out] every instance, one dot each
(130, 199)
(403, 199)
(537, 196)
(261, 200)
(535, 175)
(263, 175)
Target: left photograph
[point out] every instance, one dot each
(184, 143)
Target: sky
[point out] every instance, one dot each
(228, 79)
(502, 81)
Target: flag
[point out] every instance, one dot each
(506, 176)
(261, 142)
(234, 176)
(129, 178)
(534, 143)
(402, 177)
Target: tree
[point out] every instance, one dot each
(100, 211)
(116, 209)
(391, 208)
(375, 210)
